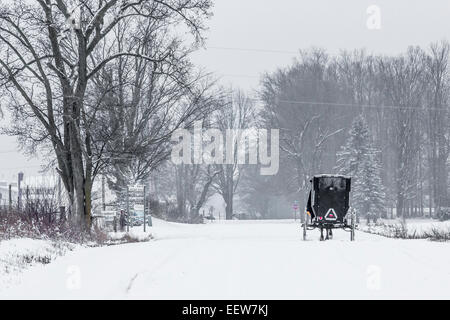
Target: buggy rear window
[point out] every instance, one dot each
(332, 184)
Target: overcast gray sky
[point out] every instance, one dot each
(249, 37)
(288, 25)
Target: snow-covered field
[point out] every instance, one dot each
(244, 260)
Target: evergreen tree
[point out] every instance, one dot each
(359, 159)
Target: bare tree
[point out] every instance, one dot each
(144, 103)
(193, 188)
(404, 87)
(238, 114)
(50, 53)
(299, 101)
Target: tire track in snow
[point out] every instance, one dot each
(149, 272)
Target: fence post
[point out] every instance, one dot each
(19, 190)
(10, 197)
(27, 196)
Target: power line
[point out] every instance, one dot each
(364, 106)
(306, 80)
(253, 50)
(261, 76)
(240, 76)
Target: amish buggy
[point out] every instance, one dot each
(328, 206)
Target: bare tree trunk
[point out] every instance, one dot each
(230, 192)
(88, 203)
(229, 207)
(400, 204)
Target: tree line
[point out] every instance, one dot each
(403, 101)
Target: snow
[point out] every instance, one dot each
(135, 233)
(330, 175)
(244, 260)
(18, 254)
(415, 227)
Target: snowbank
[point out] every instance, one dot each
(411, 228)
(16, 255)
(135, 234)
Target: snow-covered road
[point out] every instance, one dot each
(244, 260)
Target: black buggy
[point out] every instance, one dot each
(328, 206)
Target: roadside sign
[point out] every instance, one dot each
(295, 207)
(135, 202)
(136, 188)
